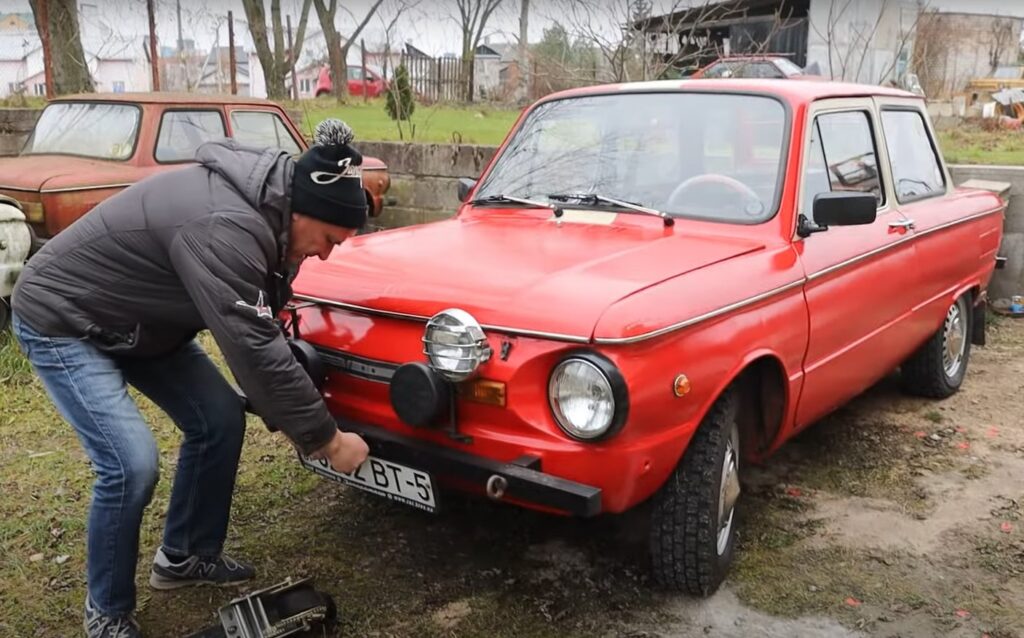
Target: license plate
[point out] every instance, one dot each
(383, 478)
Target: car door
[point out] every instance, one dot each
(953, 233)
(857, 276)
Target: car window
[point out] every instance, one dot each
(916, 171)
(700, 155)
(92, 129)
(841, 157)
(355, 73)
(182, 132)
(260, 128)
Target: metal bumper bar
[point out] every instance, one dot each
(520, 480)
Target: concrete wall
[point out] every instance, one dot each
(15, 126)
(1010, 280)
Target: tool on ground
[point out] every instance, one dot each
(293, 609)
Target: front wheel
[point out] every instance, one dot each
(693, 521)
(938, 368)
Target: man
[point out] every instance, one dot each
(118, 297)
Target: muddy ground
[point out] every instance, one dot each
(894, 517)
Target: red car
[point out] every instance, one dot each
(651, 285)
(85, 148)
(373, 84)
(750, 66)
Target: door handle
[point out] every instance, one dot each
(906, 224)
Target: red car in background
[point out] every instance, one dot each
(373, 84)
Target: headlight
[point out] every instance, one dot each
(588, 396)
(455, 344)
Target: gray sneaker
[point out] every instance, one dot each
(98, 625)
(197, 570)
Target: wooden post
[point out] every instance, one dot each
(291, 58)
(44, 36)
(153, 59)
(362, 47)
(231, 53)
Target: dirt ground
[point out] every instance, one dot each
(893, 517)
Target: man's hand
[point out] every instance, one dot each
(345, 452)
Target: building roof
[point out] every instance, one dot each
(795, 90)
(164, 98)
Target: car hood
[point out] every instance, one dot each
(33, 172)
(518, 271)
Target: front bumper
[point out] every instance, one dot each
(520, 481)
(15, 244)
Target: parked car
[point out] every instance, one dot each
(750, 66)
(85, 148)
(650, 286)
(373, 84)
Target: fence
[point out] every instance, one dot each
(436, 79)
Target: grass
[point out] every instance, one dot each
(969, 143)
(442, 123)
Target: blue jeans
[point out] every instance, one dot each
(89, 388)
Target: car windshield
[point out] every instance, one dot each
(92, 129)
(703, 155)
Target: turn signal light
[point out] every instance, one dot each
(484, 391)
(681, 386)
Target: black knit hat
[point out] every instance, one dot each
(328, 184)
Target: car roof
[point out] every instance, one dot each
(165, 98)
(802, 90)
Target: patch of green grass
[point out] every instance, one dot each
(934, 416)
(443, 123)
(971, 144)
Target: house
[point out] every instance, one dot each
(869, 41)
(486, 71)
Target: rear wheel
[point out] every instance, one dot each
(693, 521)
(938, 368)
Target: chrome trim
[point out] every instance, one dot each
(73, 189)
(700, 318)
(409, 317)
(899, 242)
(374, 168)
(903, 223)
(18, 188)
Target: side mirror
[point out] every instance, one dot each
(466, 187)
(841, 208)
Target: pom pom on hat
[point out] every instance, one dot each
(328, 184)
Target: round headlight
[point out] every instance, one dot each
(582, 398)
(455, 344)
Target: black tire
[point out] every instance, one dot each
(322, 93)
(684, 537)
(5, 313)
(927, 373)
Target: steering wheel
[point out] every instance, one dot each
(731, 183)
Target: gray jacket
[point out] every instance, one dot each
(200, 247)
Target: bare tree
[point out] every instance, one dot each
(850, 33)
(1002, 40)
(338, 47)
(524, 50)
(70, 69)
(275, 62)
(473, 18)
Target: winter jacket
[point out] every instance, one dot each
(200, 247)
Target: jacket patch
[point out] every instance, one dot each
(262, 310)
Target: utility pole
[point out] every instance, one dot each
(154, 60)
(181, 42)
(231, 53)
(291, 58)
(44, 21)
(362, 46)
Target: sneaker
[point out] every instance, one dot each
(197, 570)
(98, 625)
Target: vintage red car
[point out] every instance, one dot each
(371, 82)
(651, 285)
(85, 148)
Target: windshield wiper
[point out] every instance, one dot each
(594, 199)
(508, 199)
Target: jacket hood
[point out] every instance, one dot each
(518, 271)
(263, 176)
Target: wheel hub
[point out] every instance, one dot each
(728, 495)
(954, 341)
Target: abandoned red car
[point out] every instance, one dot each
(650, 285)
(85, 148)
